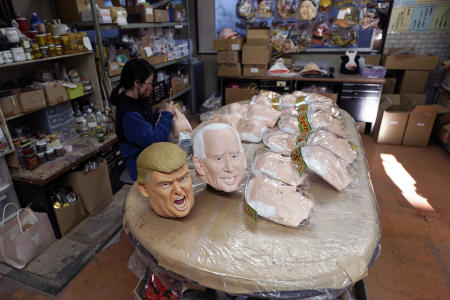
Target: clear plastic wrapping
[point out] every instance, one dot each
(277, 201)
(245, 10)
(261, 99)
(229, 119)
(238, 110)
(289, 124)
(278, 167)
(339, 146)
(265, 113)
(327, 165)
(251, 130)
(280, 142)
(220, 247)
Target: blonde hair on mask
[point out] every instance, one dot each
(162, 157)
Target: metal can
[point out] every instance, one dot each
(50, 39)
(42, 40)
(59, 50)
(52, 50)
(57, 39)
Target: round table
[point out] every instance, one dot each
(220, 247)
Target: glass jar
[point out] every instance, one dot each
(41, 146)
(50, 39)
(50, 154)
(41, 157)
(59, 50)
(51, 50)
(42, 40)
(57, 39)
(37, 54)
(44, 51)
(34, 45)
(59, 151)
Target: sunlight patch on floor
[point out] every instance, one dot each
(404, 181)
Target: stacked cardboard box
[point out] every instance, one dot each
(405, 120)
(228, 56)
(256, 53)
(416, 70)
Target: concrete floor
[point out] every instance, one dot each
(412, 187)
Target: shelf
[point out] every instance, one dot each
(186, 90)
(21, 115)
(44, 59)
(90, 24)
(159, 66)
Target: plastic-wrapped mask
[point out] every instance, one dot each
(179, 124)
(278, 202)
(251, 130)
(164, 179)
(264, 113)
(219, 159)
(278, 167)
(280, 142)
(229, 119)
(238, 110)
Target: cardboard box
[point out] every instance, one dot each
(10, 106)
(228, 45)
(178, 84)
(228, 57)
(69, 10)
(229, 70)
(411, 62)
(414, 81)
(258, 36)
(389, 85)
(256, 55)
(420, 123)
(179, 15)
(374, 60)
(411, 100)
(139, 290)
(255, 70)
(157, 59)
(361, 127)
(32, 100)
(94, 187)
(56, 95)
(236, 95)
(113, 69)
(392, 126)
(147, 14)
(69, 217)
(161, 15)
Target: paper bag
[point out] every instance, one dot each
(24, 237)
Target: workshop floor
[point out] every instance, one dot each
(412, 187)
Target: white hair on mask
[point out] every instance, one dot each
(198, 145)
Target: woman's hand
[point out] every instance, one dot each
(168, 107)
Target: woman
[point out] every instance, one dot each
(136, 126)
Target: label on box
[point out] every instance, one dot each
(393, 122)
(149, 11)
(114, 67)
(178, 26)
(185, 81)
(421, 124)
(281, 83)
(254, 70)
(148, 51)
(235, 47)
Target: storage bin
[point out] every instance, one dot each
(76, 92)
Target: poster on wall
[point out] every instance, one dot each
(401, 18)
(308, 25)
(441, 19)
(422, 18)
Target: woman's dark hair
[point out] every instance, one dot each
(134, 69)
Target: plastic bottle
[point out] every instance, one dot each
(78, 119)
(92, 123)
(100, 136)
